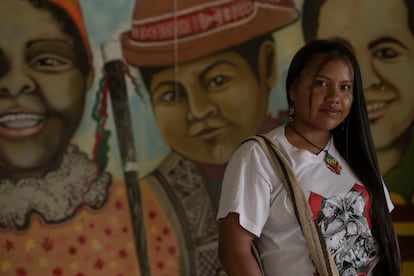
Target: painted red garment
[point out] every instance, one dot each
(96, 242)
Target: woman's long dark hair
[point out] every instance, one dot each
(354, 142)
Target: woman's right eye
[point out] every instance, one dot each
(320, 83)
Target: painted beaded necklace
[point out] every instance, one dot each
(331, 163)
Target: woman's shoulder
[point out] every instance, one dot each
(277, 134)
(250, 147)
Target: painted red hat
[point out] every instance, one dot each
(177, 31)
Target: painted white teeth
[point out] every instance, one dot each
(375, 106)
(20, 120)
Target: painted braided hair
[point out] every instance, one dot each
(354, 142)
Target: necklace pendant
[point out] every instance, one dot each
(332, 164)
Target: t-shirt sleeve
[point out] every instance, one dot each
(246, 187)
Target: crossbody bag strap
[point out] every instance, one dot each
(316, 243)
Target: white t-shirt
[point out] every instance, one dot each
(252, 189)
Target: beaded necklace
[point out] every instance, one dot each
(331, 163)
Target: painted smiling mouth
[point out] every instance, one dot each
(376, 106)
(20, 120)
(377, 109)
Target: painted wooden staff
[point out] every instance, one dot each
(115, 70)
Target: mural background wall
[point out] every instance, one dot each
(178, 181)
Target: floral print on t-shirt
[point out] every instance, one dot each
(345, 223)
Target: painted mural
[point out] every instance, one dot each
(64, 209)
(116, 127)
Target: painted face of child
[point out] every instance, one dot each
(209, 106)
(42, 92)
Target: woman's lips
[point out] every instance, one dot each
(20, 124)
(333, 112)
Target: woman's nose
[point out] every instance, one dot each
(334, 94)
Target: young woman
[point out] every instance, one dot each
(329, 146)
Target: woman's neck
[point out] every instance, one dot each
(306, 138)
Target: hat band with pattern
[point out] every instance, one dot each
(199, 28)
(199, 21)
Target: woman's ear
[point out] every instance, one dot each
(292, 91)
(267, 63)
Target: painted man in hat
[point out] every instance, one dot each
(208, 67)
(58, 214)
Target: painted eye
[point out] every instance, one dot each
(218, 82)
(386, 53)
(173, 95)
(50, 63)
(168, 96)
(390, 52)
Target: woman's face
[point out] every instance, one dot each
(41, 91)
(322, 99)
(206, 108)
(378, 33)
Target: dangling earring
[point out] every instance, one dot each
(291, 114)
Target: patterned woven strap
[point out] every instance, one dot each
(316, 243)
